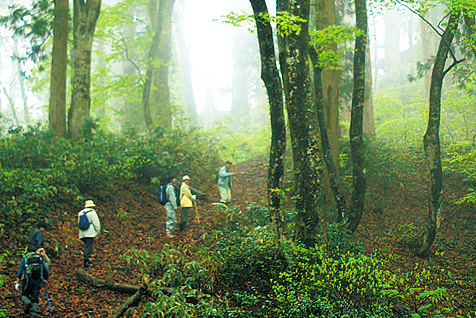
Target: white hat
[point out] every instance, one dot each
(186, 178)
(89, 204)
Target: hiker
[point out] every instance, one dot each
(88, 234)
(33, 273)
(35, 241)
(224, 182)
(170, 207)
(186, 202)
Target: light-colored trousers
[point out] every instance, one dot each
(170, 217)
(225, 195)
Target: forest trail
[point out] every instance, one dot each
(395, 210)
(131, 219)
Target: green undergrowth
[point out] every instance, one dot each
(238, 271)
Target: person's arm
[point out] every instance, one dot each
(95, 221)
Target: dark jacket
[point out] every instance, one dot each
(21, 269)
(36, 240)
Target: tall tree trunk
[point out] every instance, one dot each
(356, 121)
(325, 16)
(184, 49)
(59, 65)
(158, 11)
(274, 88)
(326, 149)
(161, 95)
(431, 139)
(304, 128)
(156, 22)
(85, 16)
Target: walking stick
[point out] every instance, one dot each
(48, 299)
(196, 210)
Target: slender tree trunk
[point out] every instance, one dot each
(274, 88)
(22, 84)
(369, 123)
(12, 105)
(304, 128)
(85, 17)
(326, 149)
(59, 65)
(356, 121)
(431, 139)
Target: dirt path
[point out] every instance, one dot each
(132, 219)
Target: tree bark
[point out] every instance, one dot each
(59, 65)
(85, 17)
(157, 11)
(161, 96)
(326, 149)
(356, 121)
(431, 139)
(272, 80)
(304, 128)
(325, 16)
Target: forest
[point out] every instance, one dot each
(350, 125)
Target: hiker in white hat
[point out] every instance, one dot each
(186, 202)
(89, 227)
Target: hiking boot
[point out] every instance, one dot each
(34, 309)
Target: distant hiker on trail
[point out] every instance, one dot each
(224, 182)
(186, 202)
(89, 227)
(170, 207)
(32, 273)
(35, 241)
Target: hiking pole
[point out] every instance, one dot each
(196, 210)
(48, 300)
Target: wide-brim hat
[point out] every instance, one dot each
(89, 204)
(186, 178)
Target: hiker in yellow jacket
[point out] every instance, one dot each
(186, 202)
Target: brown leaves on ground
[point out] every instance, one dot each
(133, 218)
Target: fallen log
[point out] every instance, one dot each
(137, 291)
(110, 284)
(131, 302)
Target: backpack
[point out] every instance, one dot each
(33, 267)
(83, 223)
(162, 194)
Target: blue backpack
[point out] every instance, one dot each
(162, 194)
(83, 223)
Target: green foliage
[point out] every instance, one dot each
(39, 171)
(461, 160)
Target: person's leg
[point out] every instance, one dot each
(170, 219)
(88, 250)
(184, 218)
(223, 194)
(25, 293)
(35, 293)
(228, 195)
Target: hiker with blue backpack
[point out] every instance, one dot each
(33, 273)
(89, 227)
(168, 197)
